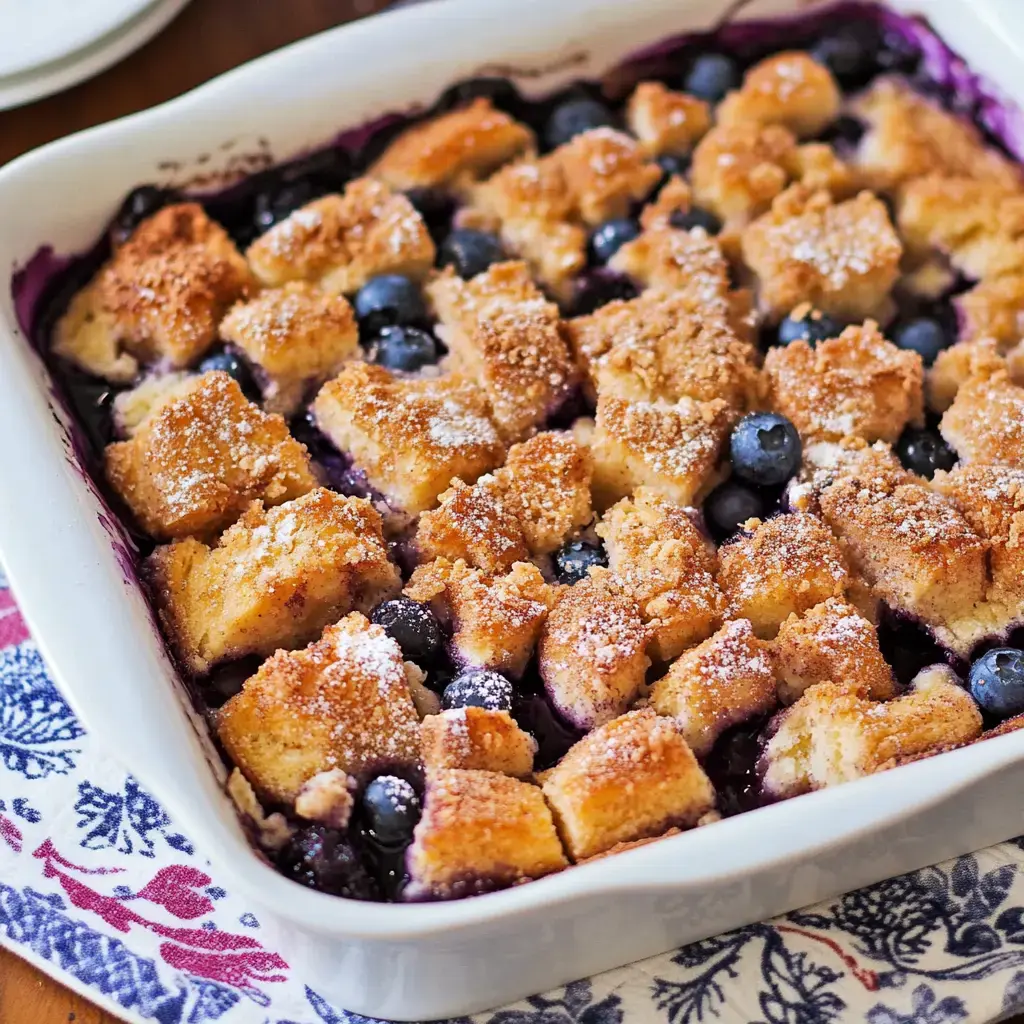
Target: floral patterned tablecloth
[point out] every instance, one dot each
(100, 890)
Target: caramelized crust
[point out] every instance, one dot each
(591, 652)
(977, 225)
(477, 739)
(494, 620)
(479, 831)
(663, 562)
(911, 546)
(630, 779)
(503, 333)
(788, 564)
(411, 436)
(985, 423)
(159, 298)
(194, 465)
(297, 336)
(340, 242)
(723, 681)
(341, 703)
(843, 258)
(665, 121)
(830, 641)
(857, 384)
(673, 448)
(832, 734)
(275, 578)
(909, 136)
(788, 89)
(464, 144)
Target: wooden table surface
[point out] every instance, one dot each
(207, 38)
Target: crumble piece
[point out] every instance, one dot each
(788, 564)
(959, 363)
(858, 384)
(908, 543)
(505, 335)
(159, 298)
(632, 778)
(726, 680)
(993, 308)
(591, 651)
(667, 567)
(341, 241)
(478, 739)
(410, 436)
(479, 831)
(340, 703)
(274, 579)
(909, 136)
(462, 145)
(833, 641)
(671, 447)
(494, 620)
(832, 734)
(665, 121)
(985, 423)
(296, 337)
(194, 465)
(789, 89)
(327, 798)
(842, 258)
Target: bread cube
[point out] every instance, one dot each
(985, 423)
(296, 337)
(632, 778)
(479, 831)
(726, 680)
(274, 579)
(788, 564)
(341, 703)
(410, 436)
(591, 653)
(340, 242)
(665, 121)
(477, 739)
(194, 465)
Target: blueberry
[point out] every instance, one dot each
(274, 204)
(695, 217)
(230, 363)
(478, 688)
(812, 327)
(672, 166)
(470, 252)
(997, 682)
(573, 561)
(412, 626)
(765, 449)
(323, 859)
(140, 203)
(611, 236)
(407, 349)
(924, 336)
(502, 93)
(392, 808)
(897, 53)
(599, 287)
(923, 451)
(387, 300)
(844, 131)
(435, 207)
(847, 54)
(568, 119)
(711, 76)
(730, 504)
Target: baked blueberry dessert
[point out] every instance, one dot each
(548, 475)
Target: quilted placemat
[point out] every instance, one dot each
(100, 889)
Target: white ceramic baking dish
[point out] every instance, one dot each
(432, 960)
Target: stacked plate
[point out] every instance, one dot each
(48, 45)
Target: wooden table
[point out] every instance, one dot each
(209, 37)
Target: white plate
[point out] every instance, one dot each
(421, 962)
(99, 51)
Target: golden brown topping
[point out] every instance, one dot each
(665, 121)
(478, 739)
